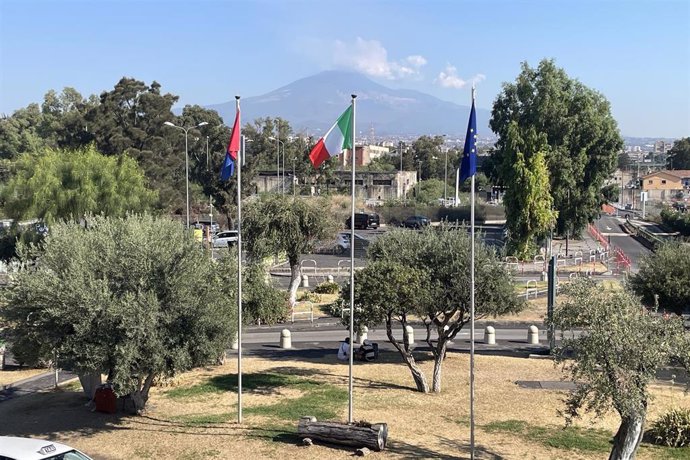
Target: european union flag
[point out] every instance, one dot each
(468, 166)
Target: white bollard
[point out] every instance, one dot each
(305, 281)
(490, 335)
(235, 344)
(533, 335)
(362, 335)
(409, 332)
(285, 339)
(330, 278)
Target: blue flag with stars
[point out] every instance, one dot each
(468, 166)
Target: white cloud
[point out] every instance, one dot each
(371, 58)
(448, 78)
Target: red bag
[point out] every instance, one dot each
(105, 400)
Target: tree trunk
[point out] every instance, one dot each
(628, 437)
(295, 277)
(417, 374)
(373, 436)
(438, 362)
(141, 395)
(90, 383)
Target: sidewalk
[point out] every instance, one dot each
(35, 384)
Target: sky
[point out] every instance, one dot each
(636, 53)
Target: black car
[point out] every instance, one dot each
(416, 222)
(364, 220)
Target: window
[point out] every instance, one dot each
(650, 181)
(383, 182)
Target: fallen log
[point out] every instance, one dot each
(361, 434)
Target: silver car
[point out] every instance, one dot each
(225, 239)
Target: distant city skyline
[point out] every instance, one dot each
(636, 53)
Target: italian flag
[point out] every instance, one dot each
(337, 139)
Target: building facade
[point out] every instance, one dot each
(666, 185)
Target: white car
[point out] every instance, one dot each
(225, 238)
(342, 243)
(12, 448)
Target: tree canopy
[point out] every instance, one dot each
(134, 297)
(582, 138)
(612, 348)
(679, 155)
(442, 256)
(67, 185)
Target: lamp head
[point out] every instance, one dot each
(203, 123)
(167, 123)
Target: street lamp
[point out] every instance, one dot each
(186, 155)
(278, 141)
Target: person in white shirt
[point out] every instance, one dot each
(344, 350)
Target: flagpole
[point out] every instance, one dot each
(239, 270)
(457, 187)
(352, 264)
(472, 304)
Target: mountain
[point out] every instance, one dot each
(312, 104)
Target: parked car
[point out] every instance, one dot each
(12, 448)
(364, 220)
(225, 239)
(342, 243)
(416, 222)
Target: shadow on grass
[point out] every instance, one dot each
(411, 451)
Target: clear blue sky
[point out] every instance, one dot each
(637, 53)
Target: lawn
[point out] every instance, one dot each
(14, 374)
(195, 416)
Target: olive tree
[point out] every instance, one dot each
(276, 224)
(135, 298)
(612, 347)
(443, 256)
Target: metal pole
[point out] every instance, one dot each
(186, 160)
(472, 310)
(207, 160)
(278, 155)
(457, 186)
(352, 264)
(445, 182)
(239, 272)
(283, 163)
(401, 153)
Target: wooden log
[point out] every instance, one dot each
(373, 436)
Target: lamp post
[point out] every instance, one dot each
(186, 155)
(278, 144)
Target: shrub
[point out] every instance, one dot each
(673, 428)
(327, 287)
(336, 308)
(262, 303)
(308, 296)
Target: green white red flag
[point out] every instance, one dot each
(337, 139)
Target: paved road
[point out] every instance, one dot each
(612, 227)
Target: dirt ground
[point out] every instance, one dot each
(420, 426)
(15, 374)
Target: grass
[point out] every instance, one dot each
(322, 402)
(568, 438)
(193, 420)
(228, 382)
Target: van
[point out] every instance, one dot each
(364, 220)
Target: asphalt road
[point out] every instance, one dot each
(612, 227)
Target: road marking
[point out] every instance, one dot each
(615, 234)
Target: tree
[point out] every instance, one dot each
(136, 298)
(428, 191)
(388, 291)
(282, 224)
(679, 155)
(610, 193)
(665, 273)
(624, 161)
(57, 185)
(581, 135)
(528, 203)
(619, 348)
(20, 132)
(444, 258)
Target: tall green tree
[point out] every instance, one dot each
(679, 155)
(443, 257)
(67, 185)
(135, 298)
(664, 278)
(581, 135)
(612, 348)
(528, 201)
(20, 133)
(275, 224)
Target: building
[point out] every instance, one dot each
(666, 185)
(363, 155)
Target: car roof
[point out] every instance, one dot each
(30, 449)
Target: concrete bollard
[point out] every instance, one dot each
(305, 281)
(533, 335)
(544, 276)
(235, 344)
(285, 339)
(409, 332)
(490, 335)
(330, 278)
(362, 335)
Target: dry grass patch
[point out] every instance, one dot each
(16, 374)
(196, 418)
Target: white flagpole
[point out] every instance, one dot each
(352, 263)
(457, 187)
(472, 302)
(239, 270)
